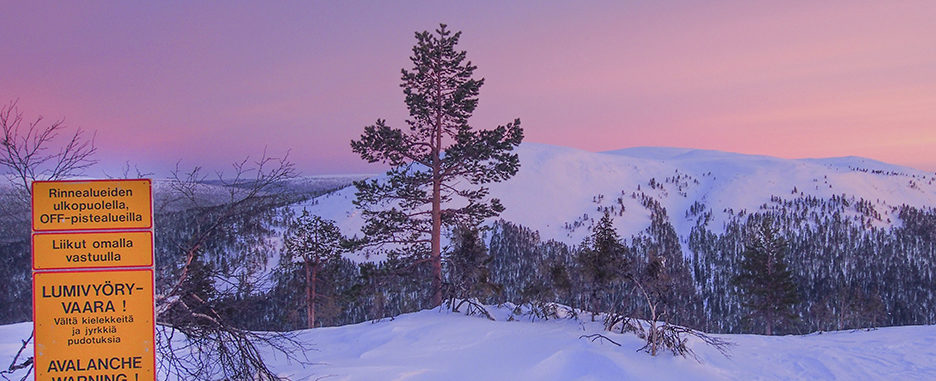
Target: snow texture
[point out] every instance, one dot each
(434, 345)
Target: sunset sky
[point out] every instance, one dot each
(211, 82)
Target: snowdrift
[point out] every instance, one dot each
(439, 345)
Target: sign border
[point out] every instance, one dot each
(32, 201)
(32, 249)
(72, 271)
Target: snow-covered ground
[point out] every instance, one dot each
(433, 345)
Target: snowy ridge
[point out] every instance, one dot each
(561, 191)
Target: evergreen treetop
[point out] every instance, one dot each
(603, 258)
(602, 261)
(312, 239)
(767, 287)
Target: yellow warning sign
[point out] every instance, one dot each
(94, 325)
(92, 250)
(92, 204)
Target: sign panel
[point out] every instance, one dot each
(92, 205)
(92, 250)
(94, 325)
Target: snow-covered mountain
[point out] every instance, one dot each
(562, 191)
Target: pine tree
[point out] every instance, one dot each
(439, 165)
(468, 262)
(602, 261)
(312, 242)
(767, 287)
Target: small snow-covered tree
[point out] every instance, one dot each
(469, 278)
(602, 261)
(767, 287)
(311, 242)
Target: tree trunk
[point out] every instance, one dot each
(594, 304)
(310, 273)
(653, 337)
(436, 254)
(769, 319)
(315, 268)
(771, 292)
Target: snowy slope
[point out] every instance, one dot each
(433, 345)
(558, 191)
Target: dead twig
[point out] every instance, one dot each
(598, 336)
(28, 363)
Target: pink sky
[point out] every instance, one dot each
(211, 83)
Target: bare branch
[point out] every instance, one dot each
(210, 346)
(14, 367)
(597, 336)
(26, 149)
